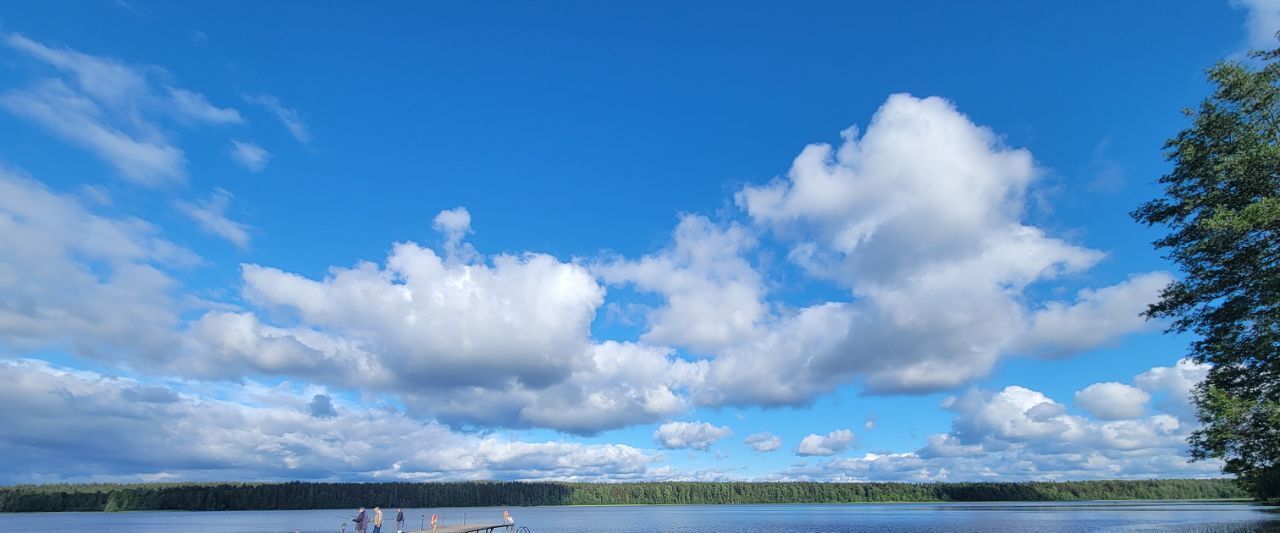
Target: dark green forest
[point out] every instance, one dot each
(297, 495)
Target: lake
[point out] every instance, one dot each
(1010, 517)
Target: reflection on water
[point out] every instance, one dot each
(1020, 517)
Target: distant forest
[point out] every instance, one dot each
(298, 495)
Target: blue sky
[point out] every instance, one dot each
(593, 241)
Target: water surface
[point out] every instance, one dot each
(1007, 517)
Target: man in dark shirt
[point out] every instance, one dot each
(361, 520)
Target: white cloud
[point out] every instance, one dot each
(230, 345)
(1261, 23)
(692, 435)
(260, 432)
(290, 117)
(104, 79)
(250, 155)
(763, 442)
(938, 294)
(455, 225)
(80, 121)
(622, 384)
(1096, 317)
(778, 368)
(921, 218)
(1113, 401)
(1013, 464)
(619, 385)
(112, 110)
(196, 107)
(511, 333)
(713, 295)
(522, 318)
(1021, 434)
(211, 215)
(489, 341)
(1174, 387)
(75, 280)
(303, 432)
(947, 445)
(502, 341)
(1015, 414)
(830, 444)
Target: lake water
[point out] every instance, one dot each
(1021, 517)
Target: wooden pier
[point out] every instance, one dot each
(468, 528)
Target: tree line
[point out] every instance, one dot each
(299, 495)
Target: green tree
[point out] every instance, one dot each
(1221, 205)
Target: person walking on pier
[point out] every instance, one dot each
(399, 520)
(377, 520)
(362, 521)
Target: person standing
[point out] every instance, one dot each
(377, 520)
(399, 519)
(361, 520)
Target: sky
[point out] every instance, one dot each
(589, 241)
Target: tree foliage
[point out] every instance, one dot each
(1221, 205)
(295, 495)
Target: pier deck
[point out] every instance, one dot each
(468, 528)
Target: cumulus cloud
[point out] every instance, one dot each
(290, 117)
(1096, 317)
(494, 341)
(1262, 21)
(1021, 434)
(1021, 416)
(455, 224)
(334, 335)
(264, 433)
(622, 384)
(522, 318)
(211, 215)
(692, 435)
(947, 445)
(830, 444)
(920, 217)
(1113, 401)
(250, 155)
(763, 442)
(1173, 387)
(713, 295)
(1014, 414)
(112, 109)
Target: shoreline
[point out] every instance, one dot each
(1005, 504)
(237, 496)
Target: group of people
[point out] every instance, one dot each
(362, 520)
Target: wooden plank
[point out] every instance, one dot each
(467, 528)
